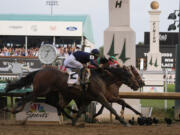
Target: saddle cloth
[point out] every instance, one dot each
(74, 76)
(73, 79)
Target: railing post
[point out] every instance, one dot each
(165, 88)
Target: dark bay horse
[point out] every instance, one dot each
(113, 92)
(50, 79)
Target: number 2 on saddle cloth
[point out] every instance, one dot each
(78, 77)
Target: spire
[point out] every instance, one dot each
(111, 50)
(123, 53)
(150, 62)
(156, 65)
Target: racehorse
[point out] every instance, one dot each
(113, 92)
(54, 80)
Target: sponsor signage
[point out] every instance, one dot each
(153, 89)
(37, 28)
(71, 28)
(168, 60)
(38, 112)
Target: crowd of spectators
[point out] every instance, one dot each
(18, 51)
(62, 50)
(65, 51)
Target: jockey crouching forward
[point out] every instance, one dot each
(79, 60)
(113, 62)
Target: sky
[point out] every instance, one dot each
(98, 11)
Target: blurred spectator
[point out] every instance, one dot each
(63, 51)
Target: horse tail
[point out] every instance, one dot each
(22, 82)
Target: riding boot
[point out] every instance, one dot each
(81, 76)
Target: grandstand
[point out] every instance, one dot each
(22, 35)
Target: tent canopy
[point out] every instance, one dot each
(84, 19)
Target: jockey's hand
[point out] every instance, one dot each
(92, 66)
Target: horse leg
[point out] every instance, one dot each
(104, 102)
(122, 111)
(21, 104)
(62, 104)
(129, 107)
(124, 104)
(82, 108)
(81, 111)
(99, 112)
(60, 111)
(60, 115)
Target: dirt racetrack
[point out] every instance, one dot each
(10, 128)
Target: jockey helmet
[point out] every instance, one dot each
(95, 52)
(112, 58)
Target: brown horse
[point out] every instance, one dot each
(52, 80)
(112, 93)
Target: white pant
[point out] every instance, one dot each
(71, 62)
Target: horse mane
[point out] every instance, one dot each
(103, 74)
(55, 68)
(103, 60)
(118, 71)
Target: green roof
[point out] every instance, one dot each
(85, 19)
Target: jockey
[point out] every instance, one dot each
(80, 58)
(113, 62)
(96, 61)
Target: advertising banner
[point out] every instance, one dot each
(38, 112)
(37, 28)
(153, 89)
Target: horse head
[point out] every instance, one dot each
(138, 76)
(129, 79)
(125, 75)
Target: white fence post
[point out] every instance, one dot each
(165, 87)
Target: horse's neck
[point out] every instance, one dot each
(109, 80)
(118, 83)
(106, 77)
